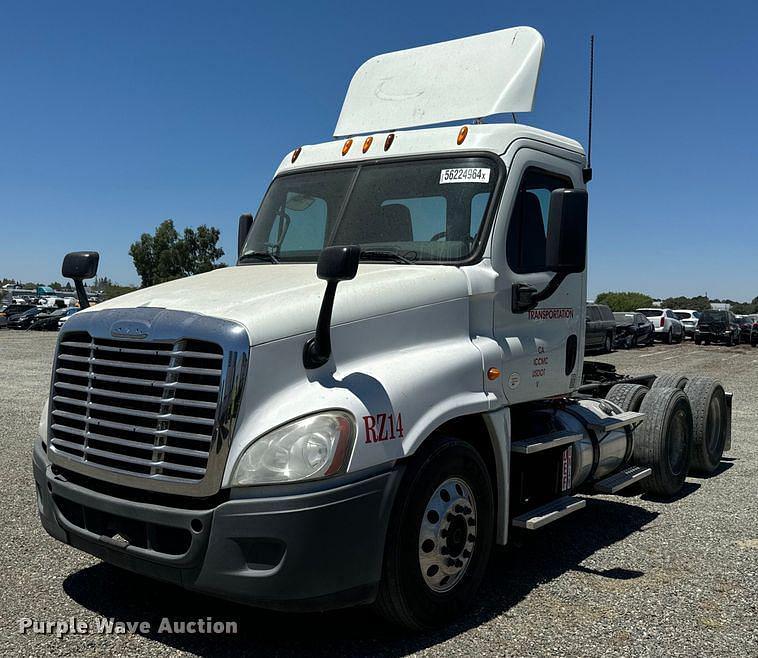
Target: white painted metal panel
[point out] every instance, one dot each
(467, 78)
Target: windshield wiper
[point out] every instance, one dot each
(259, 255)
(385, 254)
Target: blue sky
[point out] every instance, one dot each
(117, 115)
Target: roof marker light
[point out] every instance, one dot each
(462, 134)
(347, 146)
(388, 141)
(296, 153)
(367, 143)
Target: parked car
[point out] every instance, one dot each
(600, 330)
(717, 327)
(633, 329)
(689, 319)
(69, 312)
(15, 309)
(746, 327)
(23, 320)
(667, 326)
(754, 334)
(47, 320)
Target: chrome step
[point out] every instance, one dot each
(553, 511)
(616, 422)
(618, 481)
(540, 443)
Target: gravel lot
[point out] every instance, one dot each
(626, 576)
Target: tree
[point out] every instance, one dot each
(624, 301)
(165, 256)
(699, 303)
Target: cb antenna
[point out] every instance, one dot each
(587, 171)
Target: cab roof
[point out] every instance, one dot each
(494, 138)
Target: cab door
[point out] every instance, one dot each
(543, 348)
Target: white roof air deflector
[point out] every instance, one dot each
(467, 78)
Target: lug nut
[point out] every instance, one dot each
(472, 522)
(466, 553)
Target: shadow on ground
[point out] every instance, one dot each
(532, 559)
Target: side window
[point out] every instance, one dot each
(301, 225)
(527, 229)
(593, 315)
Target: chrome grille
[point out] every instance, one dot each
(141, 408)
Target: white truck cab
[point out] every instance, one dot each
(262, 435)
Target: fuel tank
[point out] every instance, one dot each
(596, 455)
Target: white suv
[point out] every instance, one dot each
(689, 319)
(667, 326)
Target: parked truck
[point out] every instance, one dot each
(389, 380)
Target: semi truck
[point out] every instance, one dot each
(389, 381)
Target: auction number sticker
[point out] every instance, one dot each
(465, 175)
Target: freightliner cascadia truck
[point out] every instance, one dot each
(389, 380)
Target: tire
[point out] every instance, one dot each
(664, 441)
(608, 344)
(698, 341)
(729, 341)
(669, 337)
(421, 600)
(709, 417)
(671, 381)
(634, 341)
(627, 396)
(707, 341)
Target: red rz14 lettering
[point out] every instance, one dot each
(383, 427)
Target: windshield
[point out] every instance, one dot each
(429, 211)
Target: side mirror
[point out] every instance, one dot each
(338, 263)
(567, 232)
(566, 249)
(80, 265)
(335, 264)
(246, 221)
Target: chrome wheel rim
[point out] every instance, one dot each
(447, 538)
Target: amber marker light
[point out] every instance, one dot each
(296, 153)
(347, 146)
(462, 134)
(493, 374)
(388, 141)
(367, 144)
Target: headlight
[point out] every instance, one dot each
(312, 447)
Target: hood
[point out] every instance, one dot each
(277, 301)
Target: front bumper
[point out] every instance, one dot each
(294, 547)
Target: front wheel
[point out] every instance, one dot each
(669, 336)
(439, 538)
